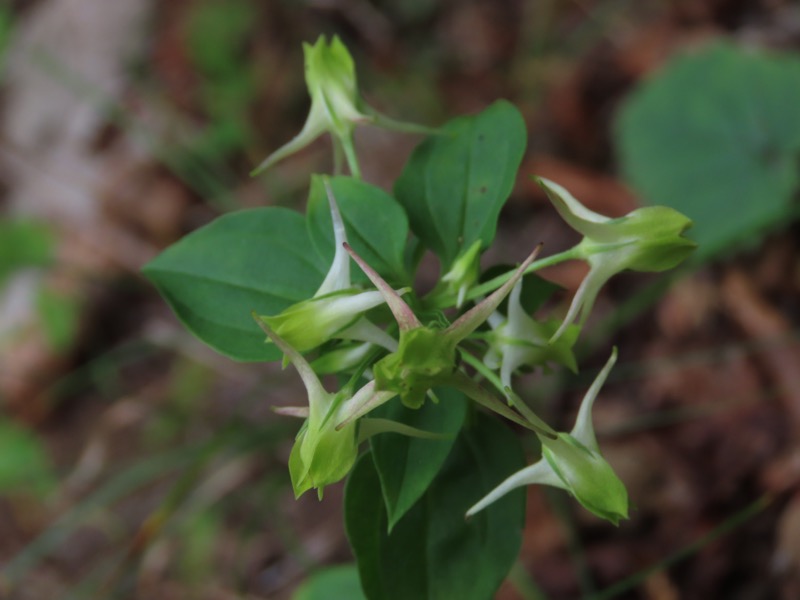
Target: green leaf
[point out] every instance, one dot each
(24, 464)
(255, 259)
(433, 553)
(376, 225)
(716, 135)
(334, 583)
(407, 466)
(24, 243)
(455, 183)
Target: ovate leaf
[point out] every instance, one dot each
(433, 553)
(376, 225)
(716, 135)
(455, 183)
(251, 260)
(407, 465)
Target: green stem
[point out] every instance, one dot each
(475, 391)
(512, 398)
(483, 370)
(337, 157)
(489, 286)
(350, 155)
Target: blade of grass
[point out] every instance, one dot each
(724, 528)
(128, 480)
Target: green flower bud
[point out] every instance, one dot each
(463, 274)
(331, 82)
(647, 239)
(342, 359)
(322, 454)
(572, 461)
(585, 474)
(310, 323)
(424, 356)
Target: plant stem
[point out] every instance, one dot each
(724, 528)
(350, 155)
(491, 285)
(512, 398)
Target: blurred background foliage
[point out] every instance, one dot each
(136, 463)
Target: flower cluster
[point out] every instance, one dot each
(427, 355)
(420, 349)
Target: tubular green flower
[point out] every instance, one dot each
(336, 310)
(572, 461)
(321, 454)
(327, 445)
(335, 104)
(648, 239)
(309, 324)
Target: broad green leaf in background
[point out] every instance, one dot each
(24, 243)
(24, 464)
(716, 135)
(334, 583)
(258, 259)
(433, 552)
(376, 225)
(455, 183)
(407, 465)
